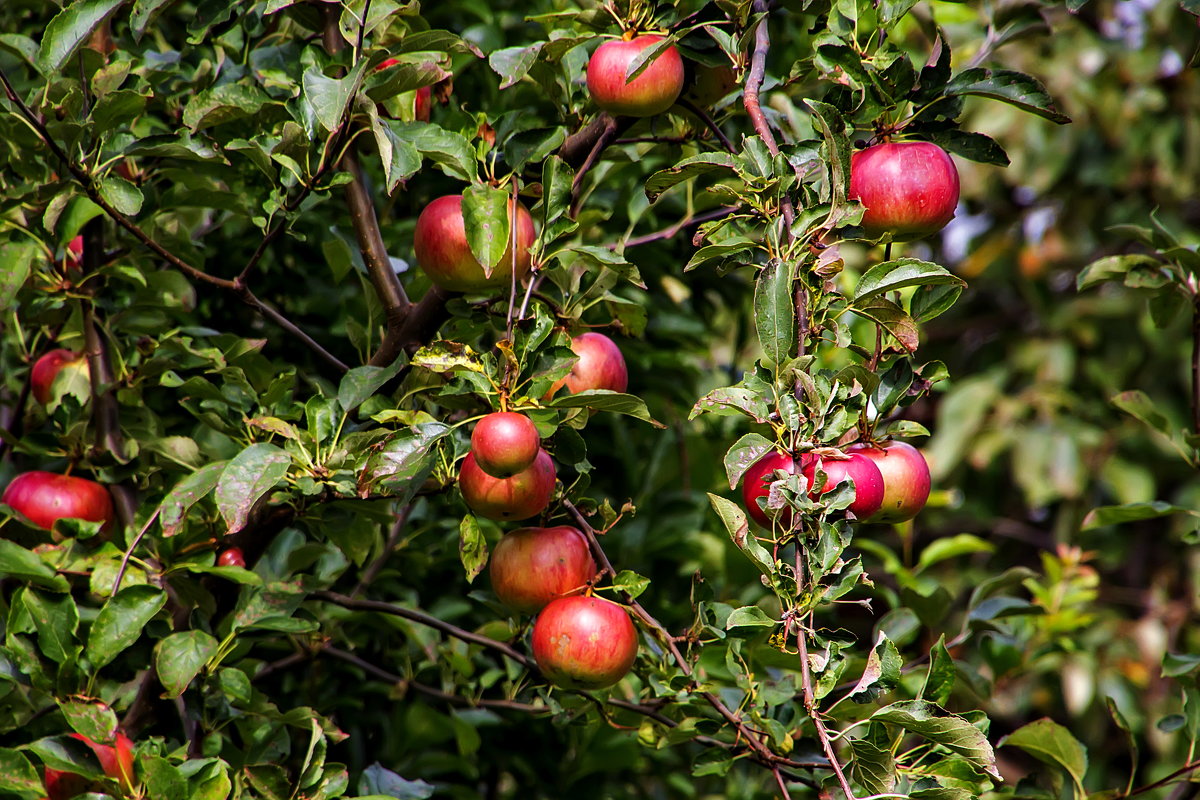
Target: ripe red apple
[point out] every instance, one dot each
(756, 483)
(46, 368)
(62, 785)
(74, 255)
(421, 98)
(650, 93)
(44, 498)
(584, 642)
(868, 482)
(232, 557)
(520, 497)
(532, 566)
(600, 366)
(440, 243)
(906, 479)
(116, 761)
(504, 443)
(909, 189)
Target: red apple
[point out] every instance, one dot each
(440, 243)
(504, 443)
(46, 368)
(74, 255)
(116, 761)
(906, 479)
(909, 189)
(584, 642)
(421, 98)
(650, 93)
(520, 497)
(868, 482)
(62, 785)
(532, 566)
(44, 498)
(600, 366)
(756, 483)
(233, 557)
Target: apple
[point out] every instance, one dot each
(584, 642)
(906, 479)
(504, 443)
(44, 498)
(73, 259)
(710, 84)
(61, 785)
(600, 366)
(532, 566)
(116, 761)
(909, 189)
(232, 557)
(440, 243)
(756, 483)
(422, 96)
(868, 481)
(46, 368)
(650, 93)
(520, 497)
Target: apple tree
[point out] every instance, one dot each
(509, 399)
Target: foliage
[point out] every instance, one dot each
(212, 154)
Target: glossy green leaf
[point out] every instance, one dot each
(246, 478)
(941, 727)
(122, 621)
(486, 219)
(179, 658)
(1052, 744)
(1015, 88)
(70, 28)
(775, 311)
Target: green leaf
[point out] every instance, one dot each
(443, 356)
(775, 311)
(17, 562)
(631, 583)
(1051, 743)
(450, 151)
(16, 260)
(97, 721)
(941, 727)
(689, 168)
(17, 775)
(832, 126)
(889, 276)
(749, 617)
(952, 547)
(647, 56)
(403, 463)
(251, 474)
(486, 219)
(1112, 268)
(1130, 512)
(56, 619)
(399, 158)
(882, 671)
(121, 622)
(735, 523)
(221, 104)
(606, 400)
(360, 383)
(179, 658)
(121, 195)
(69, 29)
(1139, 405)
(472, 547)
(872, 767)
(742, 455)
(1015, 88)
(942, 674)
(172, 511)
(329, 98)
(513, 63)
(733, 399)
(381, 782)
(977, 147)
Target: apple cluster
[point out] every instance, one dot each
(891, 480)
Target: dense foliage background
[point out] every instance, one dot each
(253, 383)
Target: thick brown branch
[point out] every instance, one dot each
(579, 145)
(750, 97)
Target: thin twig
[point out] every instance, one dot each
(393, 539)
(750, 97)
(670, 231)
(607, 136)
(129, 551)
(1191, 766)
(810, 705)
(709, 121)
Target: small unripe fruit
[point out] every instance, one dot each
(232, 557)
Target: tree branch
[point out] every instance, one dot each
(709, 122)
(810, 704)
(670, 231)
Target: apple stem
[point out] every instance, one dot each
(887, 252)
